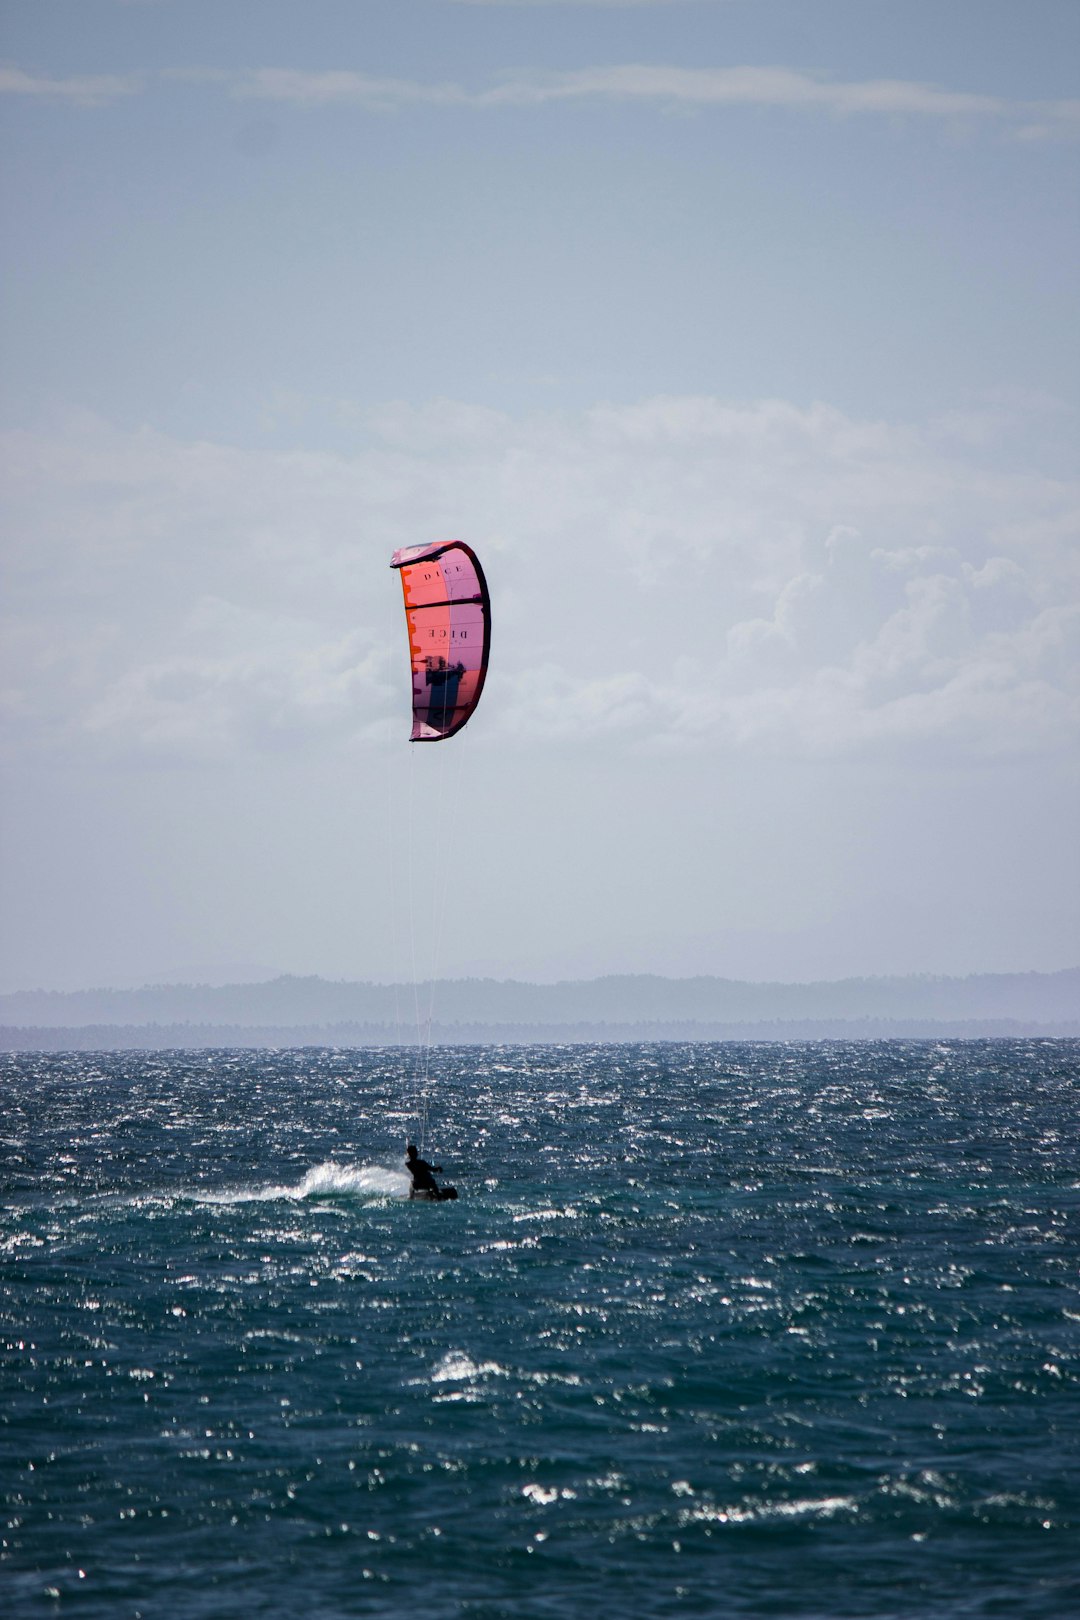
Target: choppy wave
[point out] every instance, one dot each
(723, 1331)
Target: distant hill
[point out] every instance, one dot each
(312, 1011)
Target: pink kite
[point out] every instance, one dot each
(449, 618)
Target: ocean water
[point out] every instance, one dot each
(712, 1330)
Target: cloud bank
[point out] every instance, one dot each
(680, 574)
(83, 90)
(774, 87)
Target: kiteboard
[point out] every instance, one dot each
(428, 1197)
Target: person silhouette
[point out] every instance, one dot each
(424, 1184)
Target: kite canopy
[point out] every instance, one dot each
(449, 618)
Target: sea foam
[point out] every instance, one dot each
(330, 1179)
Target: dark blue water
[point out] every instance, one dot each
(714, 1330)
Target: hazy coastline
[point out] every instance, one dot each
(293, 1011)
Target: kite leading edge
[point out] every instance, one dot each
(448, 614)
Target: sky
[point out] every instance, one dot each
(740, 340)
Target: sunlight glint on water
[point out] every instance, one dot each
(725, 1330)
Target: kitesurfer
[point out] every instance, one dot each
(424, 1184)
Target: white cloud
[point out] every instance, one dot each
(681, 573)
(644, 83)
(744, 86)
(747, 86)
(85, 90)
(240, 680)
